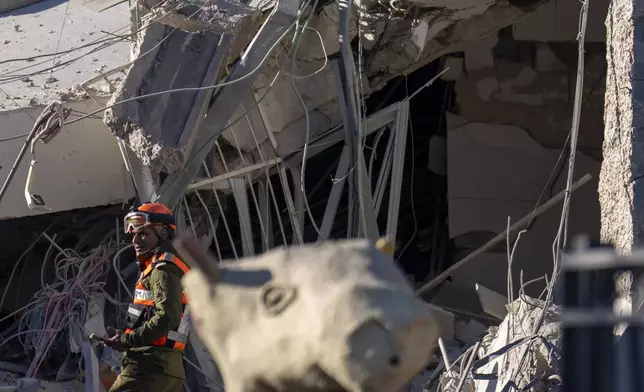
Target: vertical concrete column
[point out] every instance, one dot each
(621, 184)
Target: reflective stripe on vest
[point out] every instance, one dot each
(177, 338)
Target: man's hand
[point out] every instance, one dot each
(114, 340)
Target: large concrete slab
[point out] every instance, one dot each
(81, 167)
(32, 35)
(175, 59)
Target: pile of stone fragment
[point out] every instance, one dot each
(511, 356)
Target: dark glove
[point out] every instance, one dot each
(114, 341)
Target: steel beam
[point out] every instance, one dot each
(385, 169)
(396, 117)
(288, 197)
(229, 98)
(265, 215)
(241, 200)
(203, 357)
(299, 196)
(92, 381)
(206, 183)
(400, 143)
(334, 196)
(367, 223)
(351, 140)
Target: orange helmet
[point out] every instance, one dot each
(148, 214)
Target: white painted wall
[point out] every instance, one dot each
(81, 167)
(496, 171)
(557, 21)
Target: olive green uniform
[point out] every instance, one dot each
(150, 368)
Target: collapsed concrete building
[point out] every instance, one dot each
(457, 117)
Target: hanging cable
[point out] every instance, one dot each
(561, 238)
(105, 43)
(307, 136)
(48, 124)
(193, 89)
(56, 115)
(241, 116)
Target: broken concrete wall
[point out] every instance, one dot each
(556, 22)
(171, 59)
(81, 167)
(622, 214)
(84, 53)
(510, 120)
(395, 42)
(498, 171)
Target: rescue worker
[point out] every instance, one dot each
(157, 330)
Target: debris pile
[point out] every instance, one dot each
(64, 305)
(46, 339)
(521, 353)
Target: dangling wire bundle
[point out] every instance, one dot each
(59, 309)
(48, 125)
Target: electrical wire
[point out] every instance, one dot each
(326, 58)
(193, 89)
(64, 304)
(245, 112)
(60, 35)
(9, 138)
(561, 238)
(107, 42)
(411, 181)
(55, 316)
(117, 270)
(308, 121)
(41, 125)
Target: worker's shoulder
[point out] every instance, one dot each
(167, 264)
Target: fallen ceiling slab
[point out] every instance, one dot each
(196, 16)
(168, 58)
(395, 42)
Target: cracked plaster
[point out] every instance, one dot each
(496, 171)
(389, 48)
(514, 92)
(389, 51)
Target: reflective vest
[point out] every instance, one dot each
(142, 307)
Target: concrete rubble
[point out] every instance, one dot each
(10, 382)
(510, 354)
(159, 137)
(285, 313)
(224, 17)
(182, 51)
(395, 42)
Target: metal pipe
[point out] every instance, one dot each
(17, 162)
(501, 236)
